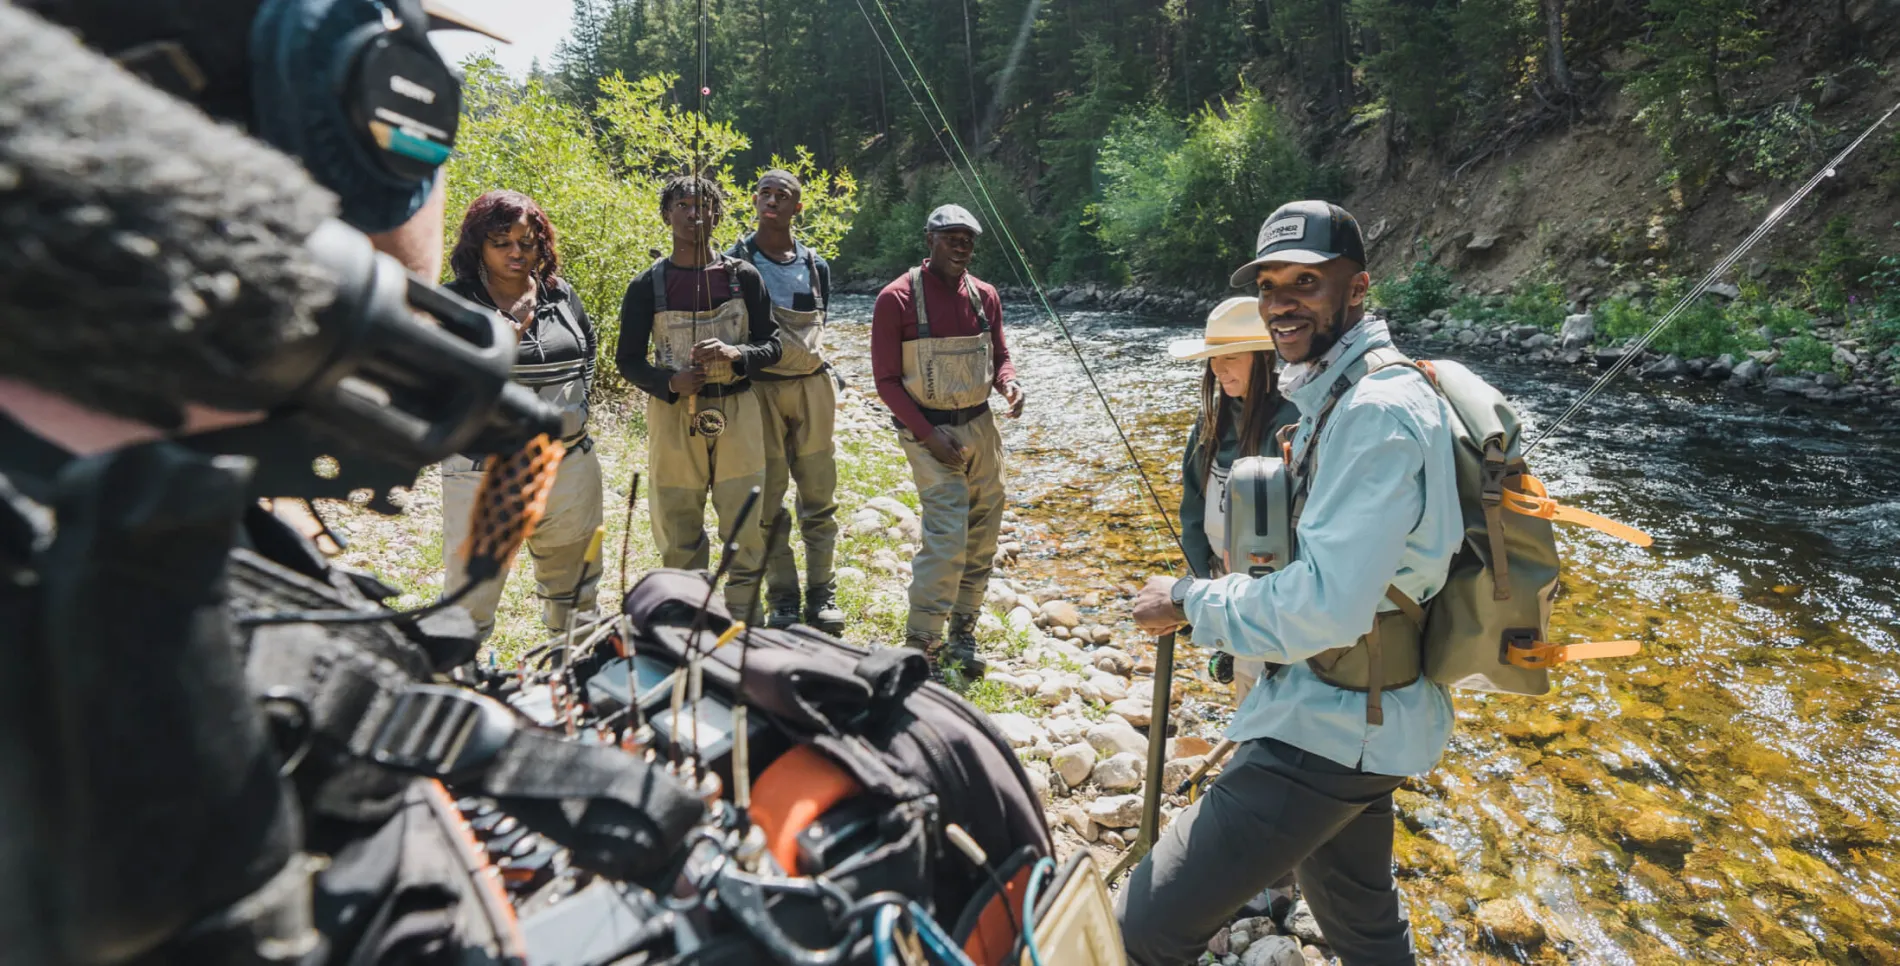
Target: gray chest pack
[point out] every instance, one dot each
(1487, 629)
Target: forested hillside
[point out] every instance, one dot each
(1540, 153)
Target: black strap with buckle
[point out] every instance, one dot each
(618, 815)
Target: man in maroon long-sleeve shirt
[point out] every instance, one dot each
(937, 351)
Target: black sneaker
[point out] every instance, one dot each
(822, 610)
(784, 612)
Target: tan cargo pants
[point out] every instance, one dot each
(801, 417)
(558, 546)
(962, 512)
(682, 467)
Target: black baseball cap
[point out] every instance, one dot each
(1305, 233)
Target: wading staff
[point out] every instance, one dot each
(1157, 758)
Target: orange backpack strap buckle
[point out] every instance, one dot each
(1530, 500)
(1541, 655)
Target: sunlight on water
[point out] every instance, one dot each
(1730, 795)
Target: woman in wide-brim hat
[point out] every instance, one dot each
(1241, 410)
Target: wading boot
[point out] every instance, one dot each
(822, 610)
(960, 652)
(932, 649)
(784, 611)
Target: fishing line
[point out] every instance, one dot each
(1721, 268)
(1025, 273)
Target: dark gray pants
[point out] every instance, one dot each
(1274, 809)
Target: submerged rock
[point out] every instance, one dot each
(1659, 830)
(1509, 923)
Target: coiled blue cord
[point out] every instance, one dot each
(1044, 864)
(937, 945)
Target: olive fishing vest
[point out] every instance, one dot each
(952, 372)
(675, 332)
(801, 333)
(1390, 655)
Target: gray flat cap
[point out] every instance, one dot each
(952, 216)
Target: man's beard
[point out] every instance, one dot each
(1323, 342)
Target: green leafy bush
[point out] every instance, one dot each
(1424, 290)
(1182, 200)
(599, 177)
(1537, 303)
(1706, 328)
(1841, 260)
(1878, 315)
(887, 236)
(1805, 353)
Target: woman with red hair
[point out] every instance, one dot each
(505, 259)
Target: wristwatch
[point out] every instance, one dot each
(1177, 595)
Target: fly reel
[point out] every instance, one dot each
(709, 422)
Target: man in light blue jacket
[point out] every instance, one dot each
(1309, 790)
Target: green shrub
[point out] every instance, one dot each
(1473, 307)
(1841, 261)
(1183, 200)
(1426, 289)
(1805, 353)
(1878, 315)
(598, 178)
(887, 234)
(1541, 304)
(1704, 329)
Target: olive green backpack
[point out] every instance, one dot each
(1487, 629)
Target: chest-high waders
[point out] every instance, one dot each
(799, 403)
(675, 332)
(717, 447)
(564, 581)
(950, 377)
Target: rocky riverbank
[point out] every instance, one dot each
(1854, 374)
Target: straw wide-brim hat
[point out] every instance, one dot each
(1234, 326)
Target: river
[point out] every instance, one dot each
(1730, 795)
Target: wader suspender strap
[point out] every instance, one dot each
(923, 313)
(1304, 469)
(811, 270)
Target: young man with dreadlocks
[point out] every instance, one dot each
(708, 320)
(800, 403)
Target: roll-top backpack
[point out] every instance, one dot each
(1487, 629)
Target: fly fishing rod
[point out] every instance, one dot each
(1024, 271)
(1163, 695)
(1635, 350)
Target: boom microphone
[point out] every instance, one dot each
(151, 258)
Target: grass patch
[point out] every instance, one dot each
(994, 697)
(1805, 353)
